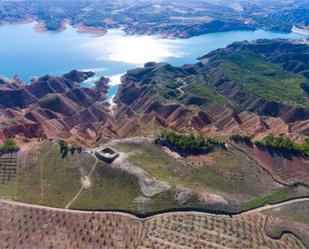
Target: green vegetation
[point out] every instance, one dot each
(284, 143)
(52, 24)
(295, 211)
(205, 91)
(51, 180)
(167, 93)
(9, 146)
(65, 148)
(188, 142)
(94, 20)
(110, 189)
(47, 179)
(226, 171)
(278, 143)
(168, 89)
(263, 79)
(277, 196)
(166, 200)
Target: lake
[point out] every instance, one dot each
(28, 53)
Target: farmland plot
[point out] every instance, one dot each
(184, 231)
(8, 167)
(41, 228)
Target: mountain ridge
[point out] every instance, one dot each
(215, 97)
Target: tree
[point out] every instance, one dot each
(9, 146)
(284, 143)
(188, 141)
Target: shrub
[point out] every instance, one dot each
(240, 138)
(284, 143)
(65, 148)
(189, 141)
(9, 146)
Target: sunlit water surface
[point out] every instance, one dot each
(28, 53)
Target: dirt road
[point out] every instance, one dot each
(253, 211)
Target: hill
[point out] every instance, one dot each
(243, 88)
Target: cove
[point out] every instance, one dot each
(28, 53)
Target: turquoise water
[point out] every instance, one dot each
(28, 53)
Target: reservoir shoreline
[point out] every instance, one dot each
(110, 55)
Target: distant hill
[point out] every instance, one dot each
(181, 19)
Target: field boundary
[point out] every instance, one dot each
(146, 216)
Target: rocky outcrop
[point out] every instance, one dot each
(78, 76)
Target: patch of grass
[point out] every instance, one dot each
(202, 90)
(8, 122)
(263, 79)
(49, 180)
(232, 173)
(126, 147)
(166, 200)
(167, 92)
(111, 189)
(295, 211)
(277, 196)
(8, 190)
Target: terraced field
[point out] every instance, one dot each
(8, 167)
(288, 169)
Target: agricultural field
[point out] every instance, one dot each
(45, 178)
(189, 230)
(293, 218)
(39, 228)
(147, 179)
(297, 212)
(8, 167)
(25, 226)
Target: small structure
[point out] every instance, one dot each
(107, 155)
